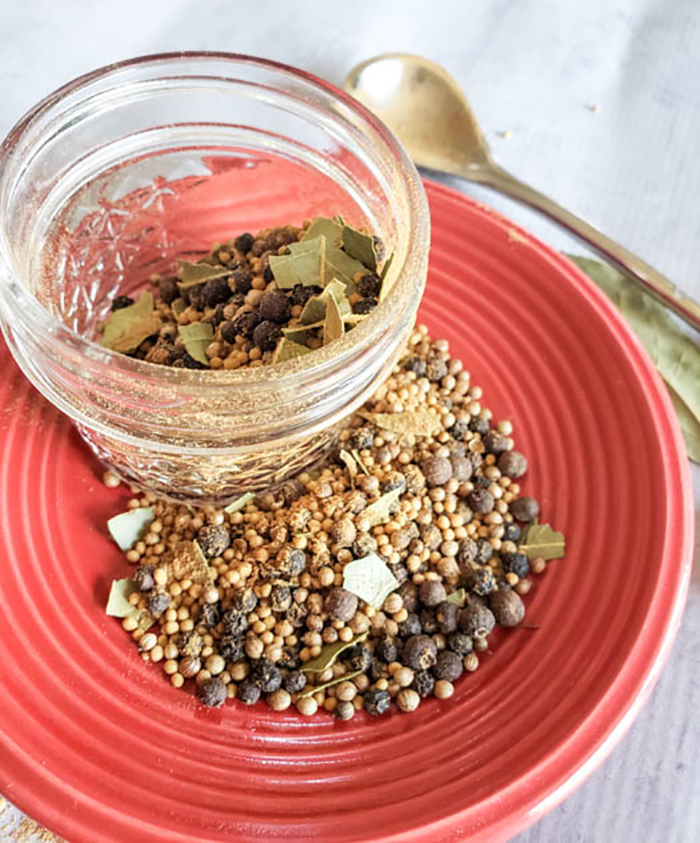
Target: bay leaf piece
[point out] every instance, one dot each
(128, 527)
(459, 597)
(144, 620)
(386, 286)
(188, 562)
(341, 266)
(197, 337)
(310, 691)
(379, 512)
(333, 327)
(305, 268)
(690, 426)
(332, 230)
(360, 246)
(419, 423)
(315, 308)
(302, 246)
(178, 307)
(675, 355)
(126, 328)
(329, 654)
(541, 541)
(352, 319)
(239, 503)
(288, 350)
(358, 460)
(370, 578)
(350, 463)
(118, 605)
(193, 274)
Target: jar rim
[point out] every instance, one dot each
(32, 312)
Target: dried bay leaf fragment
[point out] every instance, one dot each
(370, 578)
(459, 597)
(350, 463)
(360, 246)
(419, 423)
(128, 327)
(690, 426)
(144, 620)
(239, 503)
(331, 229)
(118, 605)
(305, 268)
(315, 308)
(128, 527)
(197, 337)
(289, 350)
(358, 460)
(178, 306)
(386, 285)
(188, 562)
(333, 327)
(193, 274)
(329, 654)
(380, 511)
(541, 541)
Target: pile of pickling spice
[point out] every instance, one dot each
(255, 299)
(373, 584)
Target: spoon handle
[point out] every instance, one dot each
(630, 265)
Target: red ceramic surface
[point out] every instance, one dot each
(99, 747)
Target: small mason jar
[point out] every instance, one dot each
(118, 173)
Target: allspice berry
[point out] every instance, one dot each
(507, 607)
(341, 604)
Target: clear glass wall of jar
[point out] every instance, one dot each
(116, 174)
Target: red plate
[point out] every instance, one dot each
(98, 746)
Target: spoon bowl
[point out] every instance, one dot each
(426, 109)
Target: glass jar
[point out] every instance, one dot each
(116, 174)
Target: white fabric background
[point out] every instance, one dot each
(534, 68)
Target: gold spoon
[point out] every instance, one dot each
(425, 108)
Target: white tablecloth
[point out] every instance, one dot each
(534, 69)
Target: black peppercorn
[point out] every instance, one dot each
(232, 647)
(369, 285)
(484, 551)
(295, 682)
(448, 666)
(158, 603)
(212, 692)
(423, 683)
(359, 658)
(244, 324)
(289, 562)
(364, 306)
(144, 578)
(190, 644)
(281, 598)
(467, 551)
(428, 621)
(415, 365)
(301, 294)
(248, 692)
(458, 430)
(191, 363)
(511, 532)
(216, 291)
(515, 563)
(479, 425)
(210, 615)
(480, 580)
(266, 676)
(214, 539)
(244, 242)
(447, 615)
(409, 594)
(460, 643)
(268, 274)
(234, 622)
(376, 670)
(267, 335)
(244, 601)
(410, 626)
(363, 545)
(376, 702)
(387, 650)
(435, 369)
(274, 306)
(419, 652)
(168, 290)
(121, 302)
(495, 442)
